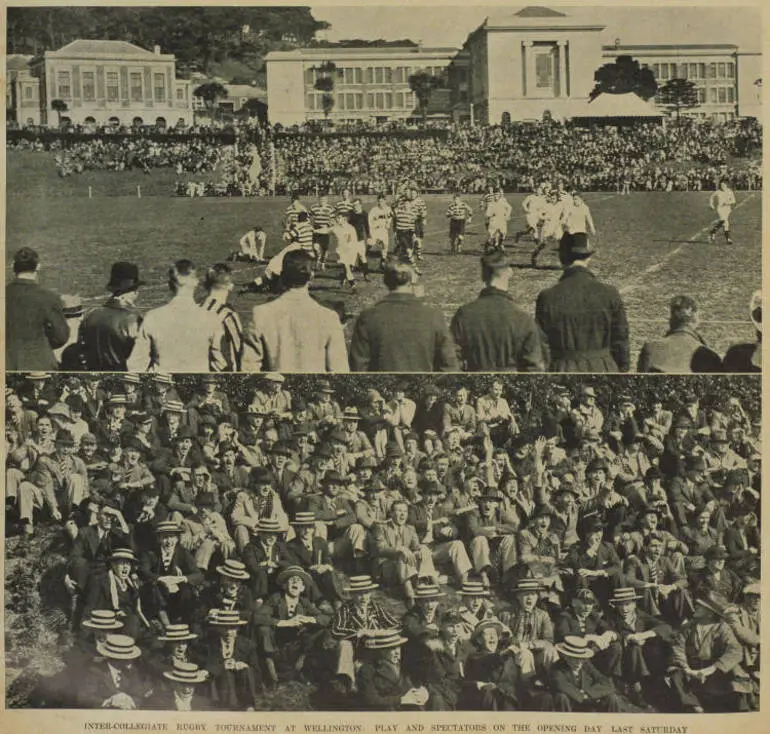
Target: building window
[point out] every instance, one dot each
(389, 101)
(88, 85)
(730, 95)
(712, 71)
(714, 98)
(656, 70)
(702, 95)
(370, 100)
(722, 95)
(309, 77)
(359, 101)
(369, 75)
(180, 94)
(113, 86)
(721, 71)
(359, 75)
(160, 87)
(731, 71)
(350, 101)
(340, 101)
(399, 75)
(544, 71)
(63, 84)
(692, 71)
(27, 92)
(388, 75)
(378, 75)
(135, 82)
(310, 101)
(379, 101)
(350, 76)
(664, 71)
(400, 100)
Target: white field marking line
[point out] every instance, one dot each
(658, 265)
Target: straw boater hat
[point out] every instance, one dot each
(268, 525)
(173, 406)
(360, 584)
(34, 376)
(131, 378)
(752, 589)
(351, 414)
(118, 647)
(290, 571)
(163, 377)
(622, 594)
(177, 633)
(324, 386)
(225, 618)
(486, 624)
(524, 586)
(168, 527)
(72, 306)
(473, 588)
(186, 673)
(384, 639)
(102, 619)
(304, 519)
(273, 377)
(427, 590)
(574, 647)
(123, 554)
(233, 569)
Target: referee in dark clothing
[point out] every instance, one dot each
(583, 319)
(492, 333)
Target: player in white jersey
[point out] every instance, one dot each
(347, 247)
(722, 202)
(498, 213)
(534, 214)
(576, 216)
(252, 246)
(551, 228)
(380, 224)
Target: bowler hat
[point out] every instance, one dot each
(65, 438)
(576, 244)
(124, 277)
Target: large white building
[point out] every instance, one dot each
(517, 65)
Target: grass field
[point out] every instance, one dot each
(652, 246)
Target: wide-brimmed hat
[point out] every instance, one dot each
(351, 414)
(280, 448)
(225, 618)
(233, 569)
(325, 386)
(168, 527)
(716, 553)
(36, 375)
(486, 624)
(102, 619)
(130, 378)
(141, 417)
(177, 633)
(268, 525)
(290, 571)
(574, 647)
(65, 438)
(393, 451)
(623, 594)
(186, 673)
(360, 584)
(173, 406)
(273, 377)
(524, 586)
(118, 647)
(575, 243)
(588, 391)
(333, 477)
(72, 306)
(304, 519)
(124, 277)
(163, 377)
(473, 588)
(752, 589)
(427, 590)
(384, 639)
(123, 554)
(261, 475)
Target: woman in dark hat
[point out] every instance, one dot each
(594, 562)
(109, 332)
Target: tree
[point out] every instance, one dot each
(59, 106)
(211, 93)
(623, 76)
(325, 83)
(678, 94)
(422, 84)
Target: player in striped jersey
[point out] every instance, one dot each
(291, 213)
(345, 204)
(406, 216)
(302, 233)
(421, 210)
(323, 215)
(458, 213)
(218, 283)
(380, 224)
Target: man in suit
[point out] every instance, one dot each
(334, 513)
(690, 491)
(113, 682)
(584, 320)
(185, 693)
(445, 664)
(35, 324)
(263, 555)
(312, 554)
(288, 625)
(170, 577)
(232, 663)
(491, 677)
(682, 350)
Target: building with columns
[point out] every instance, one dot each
(102, 82)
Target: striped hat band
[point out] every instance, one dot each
(384, 640)
(233, 569)
(525, 585)
(177, 633)
(574, 647)
(119, 647)
(473, 588)
(361, 583)
(304, 518)
(225, 618)
(625, 593)
(173, 406)
(267, 525)
(123, 554)
(186, 673)
(102, 619)
(168, 526)
(427, 591)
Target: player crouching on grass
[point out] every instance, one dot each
(722, 202)
(252, 246)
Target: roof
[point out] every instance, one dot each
(670, 47)
(362, 53)
(246, 90)
(87, 48)
(17, 62)
(619, 105)
(535, 17)
(537, 11)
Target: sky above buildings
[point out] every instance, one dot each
(444, 24)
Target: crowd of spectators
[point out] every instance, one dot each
(677, 156)
(445, 544)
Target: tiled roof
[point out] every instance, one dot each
(87, 47)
